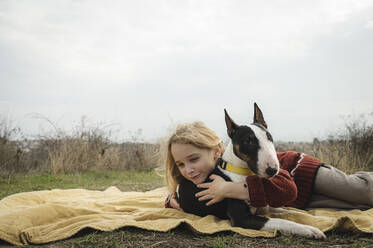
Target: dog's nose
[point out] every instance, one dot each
(271, 171)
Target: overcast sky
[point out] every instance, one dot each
(150, 64)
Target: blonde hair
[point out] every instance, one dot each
(196, 134)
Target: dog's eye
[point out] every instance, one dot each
(269, 136)
(248, 142)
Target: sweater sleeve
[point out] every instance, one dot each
(275, 192)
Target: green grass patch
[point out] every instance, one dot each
(183, 237)
(130, 180)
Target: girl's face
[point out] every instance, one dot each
(194, 163)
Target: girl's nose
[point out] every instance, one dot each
(190, 169)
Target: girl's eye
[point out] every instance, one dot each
(194, 159)
(179, 165)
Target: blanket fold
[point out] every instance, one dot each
(44, 216)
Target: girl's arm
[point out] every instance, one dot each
(276, 191)
(219, 189)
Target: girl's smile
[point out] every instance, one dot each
(194, 163)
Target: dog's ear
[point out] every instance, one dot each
(231, 126)
(258, 116)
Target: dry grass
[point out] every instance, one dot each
(85, 148)
(350, 149)
(10, 152)
(90, 147)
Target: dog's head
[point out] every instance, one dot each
(254, 144)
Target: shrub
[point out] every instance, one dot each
(11, 156)
(90, 148)
(350, 149)
(86, 147)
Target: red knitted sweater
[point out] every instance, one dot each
(291, 187)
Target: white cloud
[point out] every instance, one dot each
(137, 61)
(369, 24)
(115, 37)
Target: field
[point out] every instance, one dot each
(133, 237)
(87, 158)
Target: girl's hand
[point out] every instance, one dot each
(174, 203)
(215, 190)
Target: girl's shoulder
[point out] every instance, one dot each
(287, 158)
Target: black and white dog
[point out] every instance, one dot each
(250, 149)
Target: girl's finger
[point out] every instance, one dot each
(210, 202)
(177, 206)
(212, 177)
(201, 193)
(203, 185)
(174, 204)
(204, 198)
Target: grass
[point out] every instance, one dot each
(84, 148)
(94, 180)
(87, 158)
(182, 236)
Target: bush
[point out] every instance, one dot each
(350, 149)
(86, 147)
(11, 159)
(90, 148)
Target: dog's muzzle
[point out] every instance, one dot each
(271, 171)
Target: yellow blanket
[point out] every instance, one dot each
(44, 216)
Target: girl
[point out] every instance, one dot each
(303, 181)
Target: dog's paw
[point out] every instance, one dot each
(291, 227)
(310, 232)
